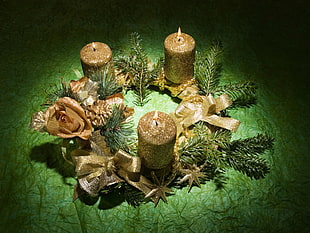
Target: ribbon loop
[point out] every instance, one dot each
(130, 164)
(203, 108)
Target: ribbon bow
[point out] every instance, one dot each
(94, 172)
(203, 108)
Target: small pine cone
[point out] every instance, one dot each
(98, 112)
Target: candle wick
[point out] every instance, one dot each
(155, 118)
(93, 45)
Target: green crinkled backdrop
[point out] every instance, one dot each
(264, 41)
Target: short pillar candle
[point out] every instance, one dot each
(179, 57)
(156, 139)
(96, 56)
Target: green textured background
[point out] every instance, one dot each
(264, 41)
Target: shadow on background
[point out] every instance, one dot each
(50, 154)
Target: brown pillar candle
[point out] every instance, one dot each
(156, 139)
(179, 57)
(95, 57)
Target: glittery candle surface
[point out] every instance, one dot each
(95, 56)
(179, 57)
(156, 135)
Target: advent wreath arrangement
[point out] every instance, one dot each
(190, 146)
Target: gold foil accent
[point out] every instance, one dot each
(203, 108)
(38, 122)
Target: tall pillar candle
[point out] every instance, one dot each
(96, 56)
(179, 57)
(156, 139)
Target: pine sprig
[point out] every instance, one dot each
(243, 155)
(243, 93)
(107, 83)
(253, 146)
(116, 131)
(250, 165)
(193, 151)
(208, 69)
(136, 64)
(56, 91)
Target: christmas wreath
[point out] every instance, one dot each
(99, 139)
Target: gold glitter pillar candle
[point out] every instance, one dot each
(94, 57)
(156, 139)
(179, 57)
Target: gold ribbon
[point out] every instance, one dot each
(94, 172)
(129, 169)
(131, 165)
(203, 108)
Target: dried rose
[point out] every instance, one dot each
(67, 119)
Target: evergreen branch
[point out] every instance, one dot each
(242, 93)
(141, 83)
(136, 64)
(216, 174)
(116, 131)
(219, 178)
(137, 50)
(125, 64)
(202, 150)
(250, 165)
(55, 92)
(253, 146)
(193, 151)
(107, 83)
(243, 155)
(220, 137)
(208, 69)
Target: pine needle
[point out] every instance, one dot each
(243, 155)
(107, 83)
(136, 64)
(133, 196)
(117, 132)
(243, 93)
(208, 69)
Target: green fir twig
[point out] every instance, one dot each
(56, 91)
(133, 196)
(208, 69)
(136, 64)
(107, 83)
(117, 132)
(243, 155)
(243, 93)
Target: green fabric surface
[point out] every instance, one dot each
(264, 41)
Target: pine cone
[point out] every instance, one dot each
(98, 112)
